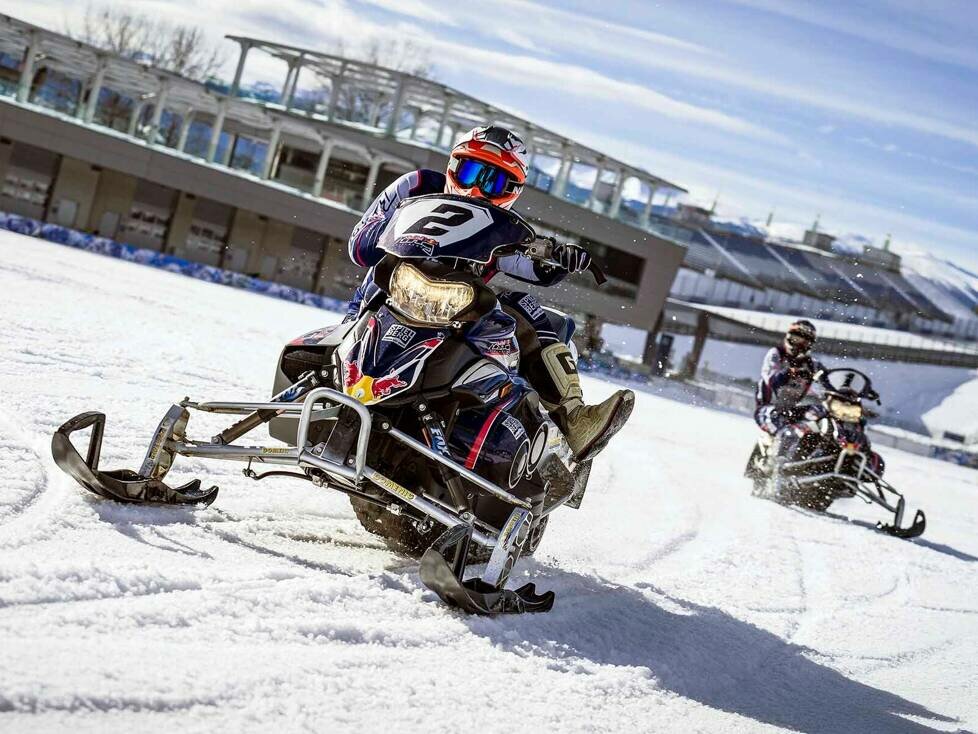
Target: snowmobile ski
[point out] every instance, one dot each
(122, 485)
(473, 596)
(914, 530)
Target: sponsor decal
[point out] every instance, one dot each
(438, 441)
(567, 362)
(399, 334)
(514, 426)
(367, 389)
(157, 446)
(499, 346)
(394, 487)
(275, 450)
(425, 244)
(383, 385)
(531, 306)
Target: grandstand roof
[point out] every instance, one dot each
(797, 269)
(431, 96)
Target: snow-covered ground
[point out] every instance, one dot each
(950, 287)
(683, 604)
(923, 398)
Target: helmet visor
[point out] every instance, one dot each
(491, 180)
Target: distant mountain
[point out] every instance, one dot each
(950, 287)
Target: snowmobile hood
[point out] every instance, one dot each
(449, 226)
(384, 357)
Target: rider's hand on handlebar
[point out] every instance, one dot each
(572, 258)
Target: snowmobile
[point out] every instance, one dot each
(415, 410)
(828, 455)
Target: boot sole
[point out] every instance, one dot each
(615, 423)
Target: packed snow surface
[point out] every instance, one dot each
(683, 604)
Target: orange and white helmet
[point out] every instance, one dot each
(488, 163)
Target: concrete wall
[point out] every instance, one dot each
(125, 161)
(73, 193)
(6, 147)
(111, 202)
(179, 229)
(247, 232)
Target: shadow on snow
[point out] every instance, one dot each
(700, 653)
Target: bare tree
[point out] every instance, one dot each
(401, 54)
(368, 106)
(182, 49)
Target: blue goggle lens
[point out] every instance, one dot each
(492, 181)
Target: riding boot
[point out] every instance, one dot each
(587, 428)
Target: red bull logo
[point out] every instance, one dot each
(366, 389)
(384, 385)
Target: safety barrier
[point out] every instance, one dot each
(717, 396)
(105, 246)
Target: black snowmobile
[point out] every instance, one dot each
(828, 455)
(415, 410)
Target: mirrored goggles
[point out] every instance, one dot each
(491, 180)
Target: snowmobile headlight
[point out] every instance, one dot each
(845, 412)
(428, 301)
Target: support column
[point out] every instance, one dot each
(158, 107)
(446, 110)
(291, 80)
(229, 151)
(647, 214)
(616, 195)
(692, 362)
(336, 85)
(137, 112)
(560, 183)
(372, 174)
(272, 150)
(27, 71)
(88, 111)
(398, 106)
(317, 184)
(418, 117)
(222, 109)
(592, 197)
(188, 120)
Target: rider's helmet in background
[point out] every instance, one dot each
(799, 339)
(489, 163)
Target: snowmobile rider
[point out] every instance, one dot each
(786, 379)
(490, 163)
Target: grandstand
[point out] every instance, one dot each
(796, 279)
(269, 180)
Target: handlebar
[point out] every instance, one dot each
(541, 250)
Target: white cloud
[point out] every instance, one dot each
(907, 34)
(797, 204)
(415, 9)
(577, 30)
(574, 80)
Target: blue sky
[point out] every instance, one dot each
(865, 111)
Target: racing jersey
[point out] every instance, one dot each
(364, 252)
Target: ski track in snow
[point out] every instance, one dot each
(683, 604)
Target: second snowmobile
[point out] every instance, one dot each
(415, 410)
(828, 456)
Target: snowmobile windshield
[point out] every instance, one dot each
(458, 227)
(845, 381)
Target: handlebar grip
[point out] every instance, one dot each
(597, 273)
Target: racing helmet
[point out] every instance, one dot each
(799, 339)
(490, 163)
